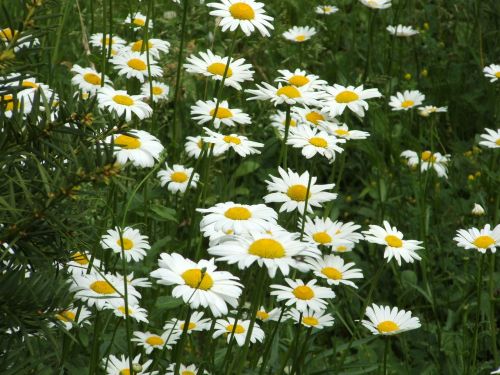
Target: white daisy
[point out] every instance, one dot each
(203, 112)
(427, 110)
(140, 147)
(315, 118)
(278, 121)
(299, 34)
(184, 370)
(140, 282)
(121, 366)
(337, 98)
(87, 79)
(240, 331)
(199, 284)
(119, 308)
(239, 143)
(67, 317)
(196, 324)
(395, 246)
(121, 103)
(387, 321)
(328, 233)
(80, 262)
(272, 315)
(406, 100)
(158, 89)
(150, 341)
(428, 160)
(300, 78)
(401, 30)
(313, 141)
(135, 65)
(376, 4)
(23, 40)
(288, 94)
(155, 47)
(479, 239)
(194, 146)
(99, 40)
(291, 190)
(326, 9)
(246, 14)
(492, 71)
(311, 319)
(138, 21)
(303, 296)
(177, 178)
(130, 242)
(491, 138)
(335, 271)
(478, 210)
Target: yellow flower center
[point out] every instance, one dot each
(242, 11)
(346, 97)
(238, 213)
(219, 68)
(341, 248)
(221, 113)
(92, 78)
(293, 123)
(155, 340)
(427, 156)
(231, 139)
(125, 371)
(497, 142)
(33, 85)
(137, 46)
(193, 278)
(267, 248)
(387, 326)
(407, 104)
(262, 315)
(303, 292)
(332, 273)
(102, 287)
(497, 74)
(123, 100)
(322, 237)
(187, 372)
(80, 258)
(138, 21)
(315, 117)
(127, 142)
(298, 81)
(137, 64)
(484, 242)
(341, 132)
(7, 34)
(157, 90)
(191, 326)
(238, 329)
(289, 91)
(318, 142)
(126, 244)
(393, 241)
(66, 316)
(300, 38)
(310, 321)
(123, 310)
(297, 192)
(179, 177)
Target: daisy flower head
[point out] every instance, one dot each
(135, 65)
(408, 99)
(337, 98)
(326, 9)
(327, 232)
(214, 66)
(121, 310)
(428, 160)
(121, 103)
(183, 369)
(154, 47)
(315, 118)
(427, 110)
(177, 178)
(138, 146)
(199, 284)
(300, 78)
(87, 79)
(22, 40)
(150, 341)
(299, 34)
(196, 324)
(492, 72)
(80, 262)
(376, 4)
(288, 94)
(311, 318)
(128, 241)
(395, 246)
(194, 146)
(239, 330)
(272, 315)
(275, 251)
(248, 15)
(400, 30)
(479, 239)
(158, 89)
(314, 141)
(121, 365)
(386, 321)
(291, 190)
(67, 317)
(239, 143)
(342, 131)
(478, 210)
(278, 121)
(100, 40)
(139, 282)
(138, 21)
(491, 138)
(204, 111)
(303, 296)
(236, 218)
(335, 270)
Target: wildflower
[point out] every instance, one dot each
(272, 315)
(154, 47)
(121, 365)
(67, 317)
(303, 296)
(184, 370)
(386, 321)
(479, 239)
(314, 141)
(120, 102)
(335, 270)
(401, 30)
(477, 210)
(491, 138)
(300, 78)
(88, 80)
(376, 4)
(239, 143)
(311, 318)
(126, 240)
(120, 309)
(177, 178)
(203, 112)
(150, 341)
(330, 233)
(158, 89)
(406, 100)
(140, 147)
(299, 34)
(135, 65)
(326, 9)
(80, 262)
(427, 110)
(492, 71)
(342, 131)
(337, 98)
(23, 40)
(196, 324)
(288, 94)
(138, 21)
(315, 118)
(99, 40)
(240, 331)
(428, 160)
(194, 146)
(278, 121)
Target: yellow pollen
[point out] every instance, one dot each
(191, 326)
(427, 156)
(300, 38)
(238, 213)
(497, 74)
(179, 177)
(92, 78)
(187, 372)
(219, 68)
(322, 237)
(193, 278)
(139, 22)
(267, 248)
(238, 329)
(310, 321)
(393, 241)
(341, 132)
(407, 104)
(242, 11)
(66, 316)
(298, 81)
(125, 243)
(289, 91)
(346, 97)
(157, 90)
(231, 139)
(102, 287)
(262, 315)
(137, 46)
(125, 371)
(33, 85)
(303, 292)
(484, 242)
(123, 311)
(7, 34)
(315, 117)
(137, 64)
(318, 142)
(298, 192)
(387, 326)
(221, 113)
(332, 273)
(123, 100)
(293, 123)
(80, 258)
(127, 142)
(155, 340)
(341, 248)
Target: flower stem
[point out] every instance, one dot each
(493, 323)
(386, 351)
(478, 312)
(283, 152)
(180, 345)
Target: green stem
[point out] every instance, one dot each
(493, 323)
(478, 312)
(180, 345)
(269, 343)
(303, 223)
(283, 152)
(386, 351)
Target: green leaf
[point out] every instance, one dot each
(165, 213)
(168, 303)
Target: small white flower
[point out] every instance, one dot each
(300, 78)
(337, 98)
(128, 241)
(401, 30)
(311, 318)
(158, 89)
(492, 71)
(239, 143)
(288, 94)
(326, 9)
(314, 141)
(121, 310)
(303, 296)
(479, 239)
(67, 317)
(138, 21)
(120, 366)
(477, 210)
(427, 110)
(427, 161)
(121, 103)
(387, 321)
(135, 65)
(140, 147)
(491, 138)
(299, 34)
(177, 178)
(196, 324)
(149, 341)
(154, 47)
(203, 112)
(239, 329)
(271, 315)
(335, 271)
(88, 80)
(376, 4)
(406, 100)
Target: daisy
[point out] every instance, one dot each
(291, 190)
(140, 147)
(387, 321)
(239, 143)
(328, 233)
(278, 121)
(87, 79)
(236, 218)
(128, 241)
(492, 71)
(337, 98)
(401, 30)
(315, 118)
(23, 41)
(376, 4)
(214, 66)
(491, 138)
(194, 146)
(395, 246)
(342, 131)
(240, 331)
(335, 271)
(196, 324)
(154, 47)
(288, 94)
(199, 284)
(479, 239)
(478, 210)
(427, 110)
(99, 40)
(119, 308)
(311, 319)
(177, 178)
(80, 262)
(140, 282)
(121, 103)
(277, 250)
(203, 112)
(428, 160)
(121, 365)
(300, 78)
(246, 14)
(138, 21)
(184, 370)
(497, 371)
(303, 296)
(406, 100)
(149, 341)
(313, 141)
(135, 65)
(272, 315)
(158, 89)
(67, 317)
(299, 34)
(326, 9)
